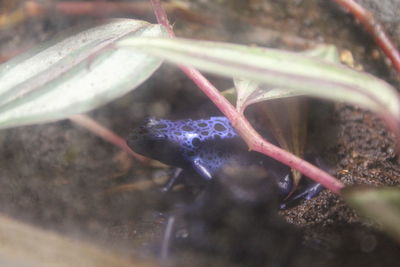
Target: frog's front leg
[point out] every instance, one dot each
(176, 178)
(202, 168)
(189, 178)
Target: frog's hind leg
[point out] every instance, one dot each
(308, 192)
(193, 184)
(202, 168)
(309, 189)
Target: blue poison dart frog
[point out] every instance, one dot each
(201, 148)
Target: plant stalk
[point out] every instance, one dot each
(243, 127)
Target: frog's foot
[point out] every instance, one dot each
(306, 193)
(167, 237)
(285, 184)
(175, 230)
(309, 192)
(175, 179)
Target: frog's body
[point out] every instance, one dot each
(202, 147)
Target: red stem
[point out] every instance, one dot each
(375, 29)
(81, 8)
(251, 137)
(101, 8)
(105, 133)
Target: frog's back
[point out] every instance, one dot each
(204, 146)
(177, 142)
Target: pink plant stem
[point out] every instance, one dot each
(101, 7)
(251, 137)
(375, 29)
(82, 8)
(105, 133)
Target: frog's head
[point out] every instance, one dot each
(156, 139)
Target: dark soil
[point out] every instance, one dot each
(58, 176)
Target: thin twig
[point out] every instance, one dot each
(251, 137)
(105, 133)
(375, 29)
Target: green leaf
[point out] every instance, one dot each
(277, 69)
(328, 53)
(24, 245)
(287, 115)
(230, 95)
(251, 92)
(75, 74)
(381, 205)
